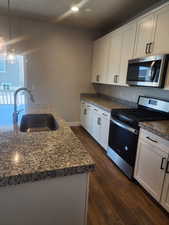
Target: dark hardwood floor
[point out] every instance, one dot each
(113, 199)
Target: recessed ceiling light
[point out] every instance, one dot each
(75, 9)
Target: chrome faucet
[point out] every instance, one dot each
(16, 112)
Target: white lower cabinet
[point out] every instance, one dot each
(89, 118)
(96, 121)
(165, 193)
(83, 114)
(151, 166)
(104, 130)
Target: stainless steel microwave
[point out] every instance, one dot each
(149, 71)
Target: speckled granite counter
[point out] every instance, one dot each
(35, 156)
(106, 103)
(160, 128)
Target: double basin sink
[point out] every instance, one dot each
(38, 122)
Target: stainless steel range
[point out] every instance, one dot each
(124, 130)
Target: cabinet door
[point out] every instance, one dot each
(104, 60)
(145, 36)
(104, 131)
(150, 168)
(96, 62)
(100, 57)
(114, 57)
(96, 125)
(165, 193)
(161, 41)
(89, 119)
(83, 114)
(127, 50)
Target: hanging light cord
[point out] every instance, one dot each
(9, 20)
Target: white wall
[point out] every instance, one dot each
(60, 67)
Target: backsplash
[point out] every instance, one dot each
(131, 93)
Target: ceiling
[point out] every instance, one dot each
(99, 15)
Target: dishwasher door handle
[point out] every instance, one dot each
(125, 126)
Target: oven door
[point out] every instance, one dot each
(148, 71)
(123, 140)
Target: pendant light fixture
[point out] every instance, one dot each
(11, 55)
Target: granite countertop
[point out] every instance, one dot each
(106, 103)
(26, 157)
(160, 128)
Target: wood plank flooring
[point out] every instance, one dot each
(113, 199)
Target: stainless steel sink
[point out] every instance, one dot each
(38, 122)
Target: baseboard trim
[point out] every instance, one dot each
(73, 124)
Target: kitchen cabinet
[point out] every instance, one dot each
(145, 36)
(96, 124)
(89, 118)
(104, 130)
(165, 193)
(151, 166)
(100, 57)
(86, 116)
(161, 43)
(127, 50)
(101, 123)
(83, 112)
(96, 121)
(113, 72)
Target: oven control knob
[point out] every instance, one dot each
(126, 148)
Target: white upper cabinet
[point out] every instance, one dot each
(100, 57)
(96, 62)
(145, 36)
(127, 50)
(161, 40)
(115, 40)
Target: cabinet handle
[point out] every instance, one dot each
(85, 112)
(98, 78)
(104, 114)
(146, 49)
(167, 168)
(162, 162)
(99, 121)
(150, 47)
(115, 78)
(152, 140)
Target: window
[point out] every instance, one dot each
(2, 63)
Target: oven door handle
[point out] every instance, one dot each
(124, 126)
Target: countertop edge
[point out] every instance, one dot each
(95, 104)
(37, 176)
(154, 131)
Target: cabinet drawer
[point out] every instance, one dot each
(154, 140)
(102, 112)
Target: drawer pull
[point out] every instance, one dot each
(104, 114)
(152, 140)
(167, 168)
(162, 163)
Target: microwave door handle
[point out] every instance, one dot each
(153, 70)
